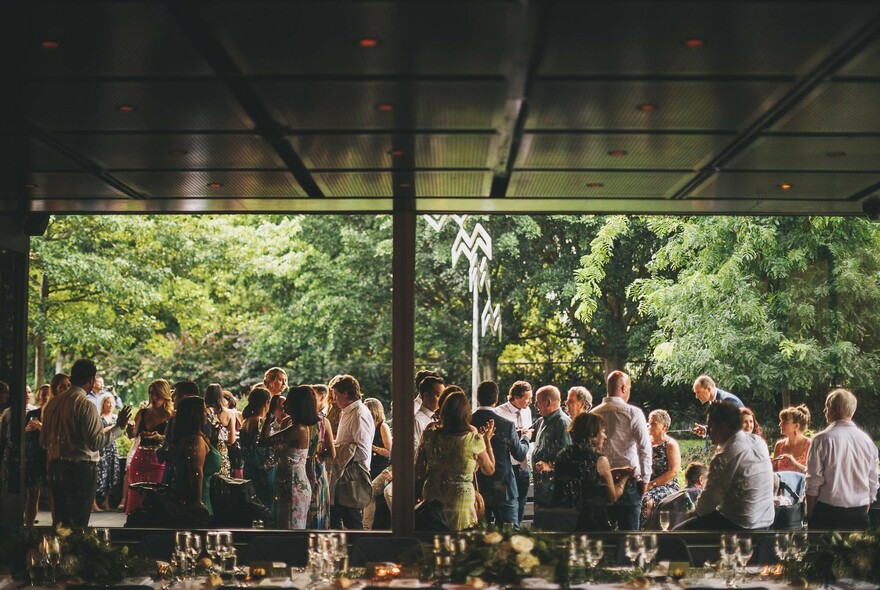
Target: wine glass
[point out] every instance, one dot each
(782, 544)
(226, 551)
(194, 551)
(634, 549)
(729, 545)
(744, 551)
(595, 552)
(182, 541)
(665, 519)
(36, 567)
(800, 543)
(52, 557)
(649, 549)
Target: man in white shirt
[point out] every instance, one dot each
(354, 439)
(739, 489)
(430, 389)
(517, 409)
(73, 436)
(842, 478)
(628, 445)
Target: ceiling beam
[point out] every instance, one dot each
(801, 89)
(196, 28)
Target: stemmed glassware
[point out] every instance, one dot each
(649, 549)
(181, 557)
(729, 556)
(744, 552)
(665, 519)
(800, 543)
(444, 552)
(635, 549)
(36, 566)
(782, 544)
(226, 551)
(595, 552)
(52, 557)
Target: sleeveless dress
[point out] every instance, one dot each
(451, 461)
(579, 486)
(255, 460)
(210, 468)
(35, 459)
(108, 466)
(293, 493)
(319, 507)
(218, 440)
(145, 466)
(378, 462)
(660, 463)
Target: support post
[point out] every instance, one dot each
(403, 358)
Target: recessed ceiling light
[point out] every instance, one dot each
(595, 185)
(368, 42)
(179, 153)
(215, 185)
(836, 154)
(385, 107)
(395, 153)
(126, 108)
(694, 42)
(47, 44)
(31, 185)
(617, 153)
(647, 107)
(404, 185)
(784, 186)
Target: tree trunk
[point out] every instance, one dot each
(39, 343)
(786, 398)
(488, 367)
(613, 362)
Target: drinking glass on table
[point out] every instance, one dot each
(195, 551)
(595, 552)
(649, 549)
(729, 545)
(226, 551)
(800, 543)
(180, 559)
(36, 567)
(634, 549)
(744, 551)
(52, 557)
(782, 545)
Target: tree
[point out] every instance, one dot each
(772, 305)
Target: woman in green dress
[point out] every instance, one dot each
(259, 464)
(195, 460)
(453, 451)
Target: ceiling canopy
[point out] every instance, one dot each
(642, 107)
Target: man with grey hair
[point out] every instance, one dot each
(842, 476)
(551, 436)
(579, 400)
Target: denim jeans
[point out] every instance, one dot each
(502, 513)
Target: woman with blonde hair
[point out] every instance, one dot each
(149, 424)
(790, 453)
(275, 380)
(108, 471)
(35, 459)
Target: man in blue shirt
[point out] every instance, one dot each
(706, 391)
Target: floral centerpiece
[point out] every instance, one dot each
(834, 556)
(83, 556)
(505, 556)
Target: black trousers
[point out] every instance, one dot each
(73, 485)
(714, 521)
(826, 516)
(351, 518)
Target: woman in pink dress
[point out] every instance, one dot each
(149, 424)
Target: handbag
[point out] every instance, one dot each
(479, 501)
(354, 487)
(429, 516)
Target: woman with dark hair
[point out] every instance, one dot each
(790, 452)
(278, 417)
(35, 459)
(321, 448)
(750, 422)
(453, 451)
(149, 424)
(195, 460)
(293, 493)
(584, 479)
(259, 465)
(223, 422)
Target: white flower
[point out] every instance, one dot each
(527, 561)
(493, 538)
(521, 544)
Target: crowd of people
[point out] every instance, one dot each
(309, 448)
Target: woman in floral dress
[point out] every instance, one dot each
(108, 468)
(321, 448)
(293, 492)
(453, 452)
(666, 463)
